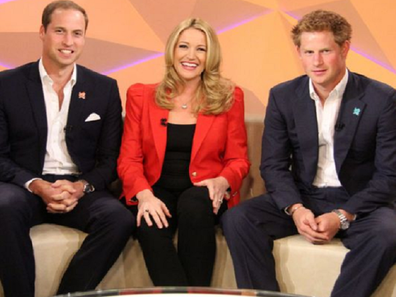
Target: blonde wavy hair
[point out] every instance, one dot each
(215, 93)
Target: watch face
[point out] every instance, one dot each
(344, 225)
(88, 188)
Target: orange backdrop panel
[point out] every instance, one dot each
(126, 38)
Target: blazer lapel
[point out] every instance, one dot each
(204, 123)
(158, 121)
(307, 128)
(351, 111)
(37, 103)
(80, 95)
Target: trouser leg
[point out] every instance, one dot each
(19, 210)
(109, 226)
(250, 229)
(372, 243)
(196, 235)
(159, 251)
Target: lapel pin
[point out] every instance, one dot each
(356, 111)
(81, 95)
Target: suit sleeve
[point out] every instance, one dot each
(235, 155)
(107, 149)
(9, 170)
(381, 189)
(130, 162)
(276, 157)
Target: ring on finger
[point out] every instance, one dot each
(146, 210)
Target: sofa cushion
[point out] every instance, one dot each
(308, 269)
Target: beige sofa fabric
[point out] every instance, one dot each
(307, 269)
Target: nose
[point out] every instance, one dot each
(191, 54)
(68, 39)
(317, 59)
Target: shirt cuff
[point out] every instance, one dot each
(27, 184)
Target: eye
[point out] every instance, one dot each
(58, 31)
(78, 33)
(182, 45)
(202, 49)
(308, 53)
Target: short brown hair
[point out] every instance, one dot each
(323, 20)
(62, 4)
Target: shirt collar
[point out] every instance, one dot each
(45, 77)
(338, 90)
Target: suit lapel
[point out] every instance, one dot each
(307, 128)
(81, 94)
(158, 119)
(37, 103)
(351, 111)
(204, 123)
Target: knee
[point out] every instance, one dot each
(385, 238)
(118, 217)
(236, 220)
(195, 206)
(227, 219)
(235, 216)
(11, 204)
(194, 200)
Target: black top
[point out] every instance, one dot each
(175, 174)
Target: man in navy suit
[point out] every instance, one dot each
(329, 164)
(60, 131)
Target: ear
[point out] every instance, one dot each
(298, 51)
(345, 48)
(42, 32)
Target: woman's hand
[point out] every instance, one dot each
(217, 190)
(150, 207)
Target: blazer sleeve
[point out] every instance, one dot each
(276, 157)
(130, 161)
(236, 163)
(10, 171)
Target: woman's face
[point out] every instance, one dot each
(190, 55)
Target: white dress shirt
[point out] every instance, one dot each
(326, 116)
(57, 158)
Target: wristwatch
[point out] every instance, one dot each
(88, 188)
(343, 220)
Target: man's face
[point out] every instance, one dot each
(64, 39)
(324, 61)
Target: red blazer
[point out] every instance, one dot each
(219, 144)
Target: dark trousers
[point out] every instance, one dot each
(108, 224)
(251, 227)
(191, 264)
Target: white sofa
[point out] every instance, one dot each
(302, 268)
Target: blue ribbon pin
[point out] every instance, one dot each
(356, 111)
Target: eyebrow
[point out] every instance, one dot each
(181, 41)
(63, 28)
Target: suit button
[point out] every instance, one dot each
(194, 174)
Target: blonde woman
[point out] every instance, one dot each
(183, 151)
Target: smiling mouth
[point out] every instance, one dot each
(67, 52)
(186, 64)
